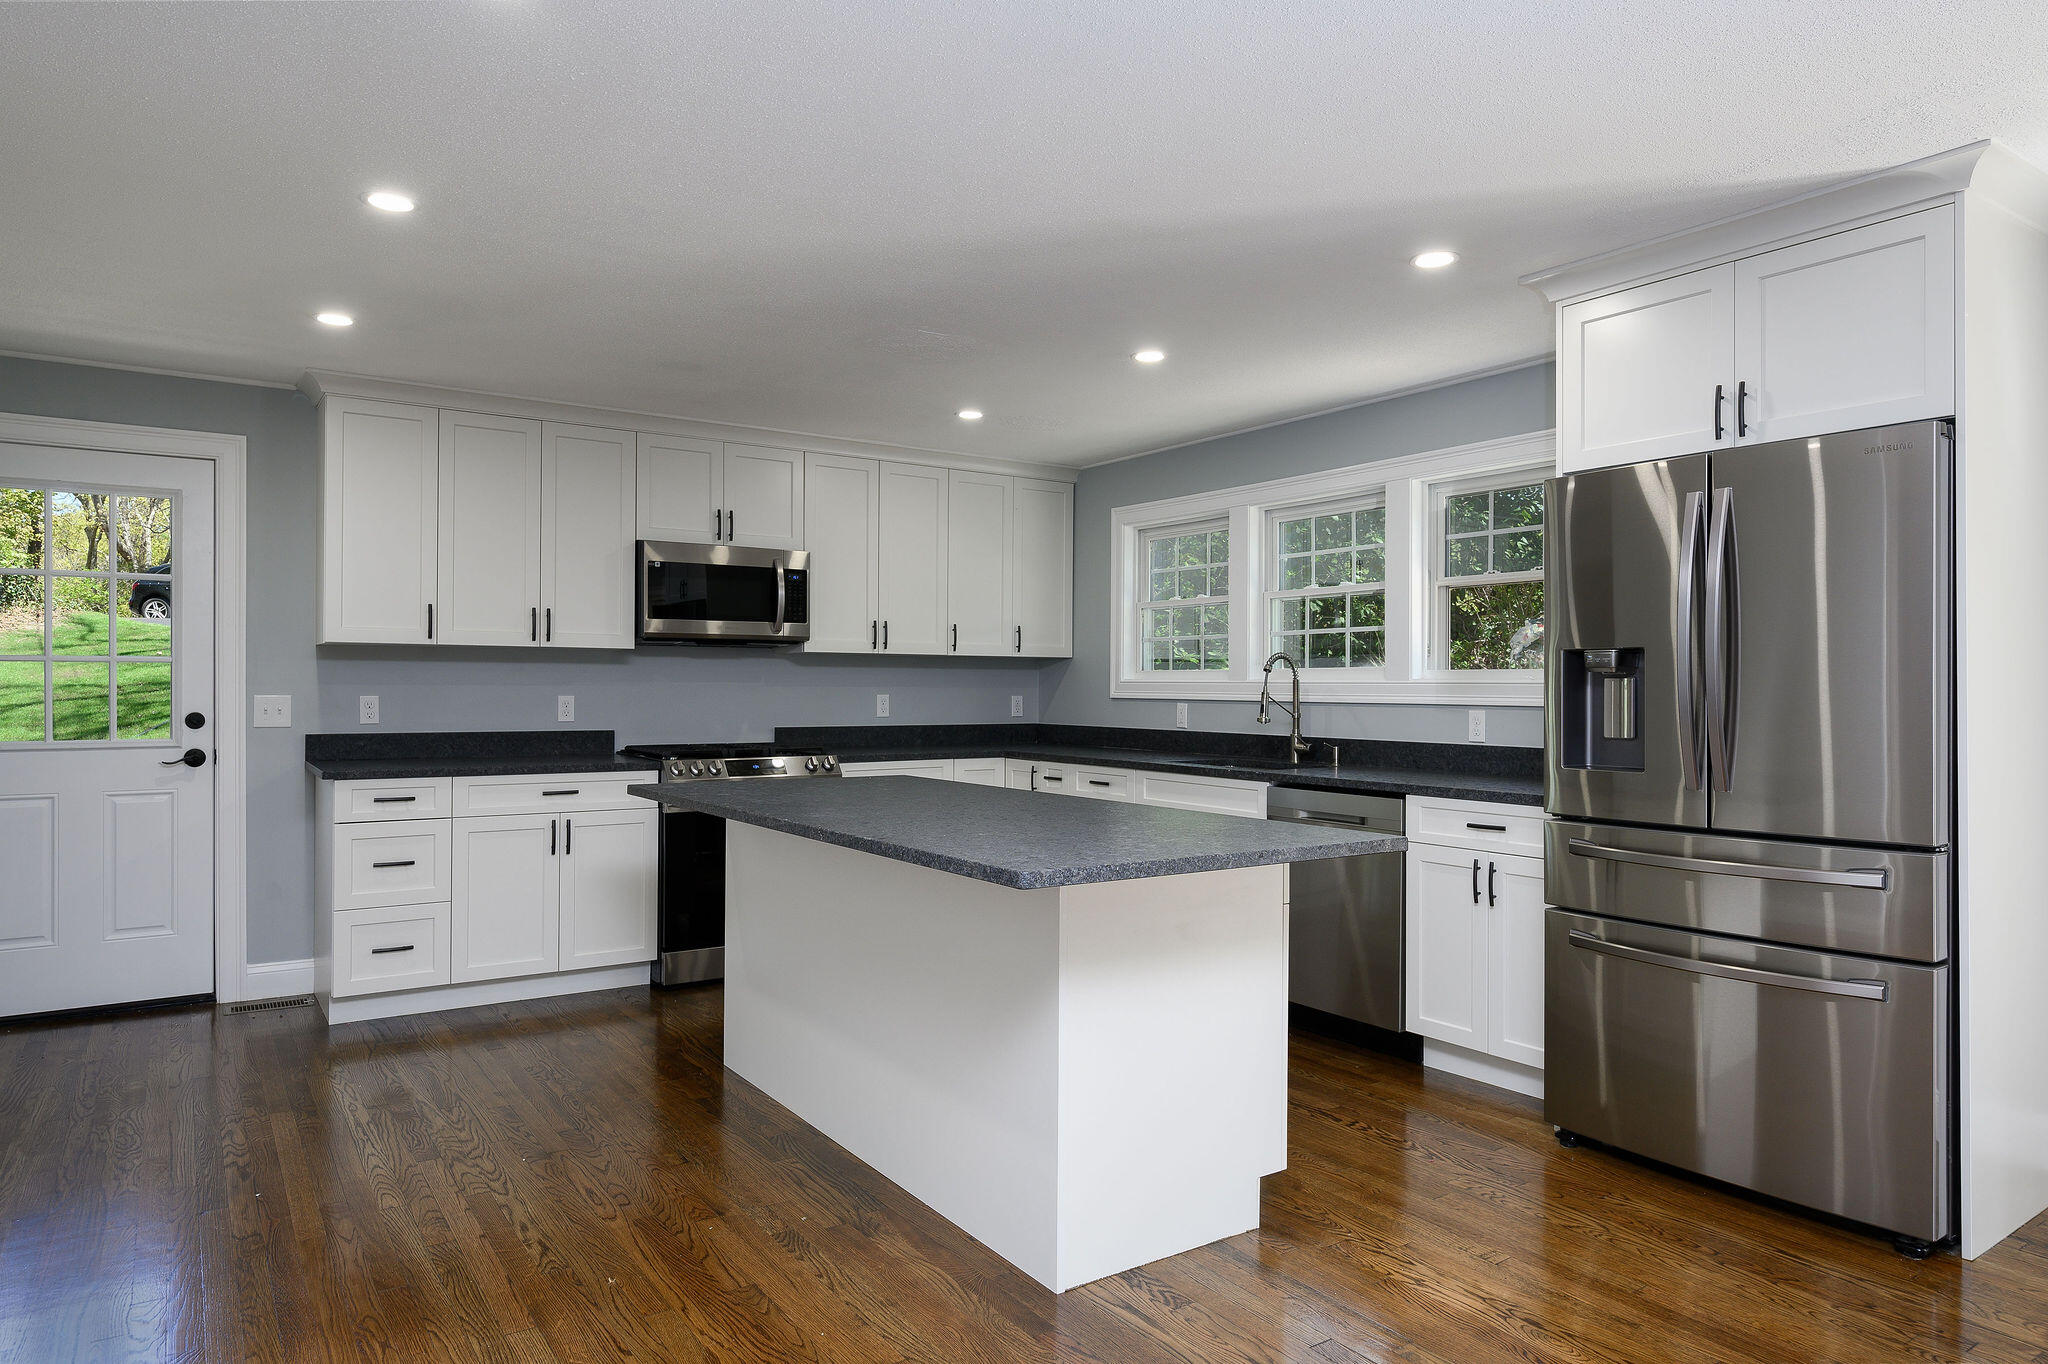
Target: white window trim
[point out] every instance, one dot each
(1407, 678)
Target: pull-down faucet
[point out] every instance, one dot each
(1296, 745)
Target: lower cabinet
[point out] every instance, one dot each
(508, 896)
(608, 872)
(978, 771)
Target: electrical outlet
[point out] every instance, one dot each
(366, 710)
(1180, 715)
(273, 712)
(1016, 706)
(565, 708)
(1475, 726)
(881, 705)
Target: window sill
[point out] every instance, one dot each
(1491, 689)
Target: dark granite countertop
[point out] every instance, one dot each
(1013, 838)
(400, 757)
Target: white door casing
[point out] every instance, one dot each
(107, 841)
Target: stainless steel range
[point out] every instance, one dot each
(692, 933)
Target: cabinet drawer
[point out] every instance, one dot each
(1215, 794)
(395, 862)
(1103, 783)
(1057, 778)
(1513, 829)
(560, 793)
(425, 798)
(394, 947)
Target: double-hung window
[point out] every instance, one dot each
(1184, 605)
(1326, 603)
(1488, 597)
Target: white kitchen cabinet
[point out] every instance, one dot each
(682, 488)
(1514, 961)
(1217, 795)
(489, 537)
(1105, 783)
(938, 769)
(507, 912)
(912, 558)
(609, 888)
(1850, 330)
(1638, 371)
(764, 497)
(978, 560)
(1447, 951)
(842, 529)
(587, 541)
(1042, 569)
(379, 490)
(978, 771)
(1020, 775)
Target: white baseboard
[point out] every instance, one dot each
(1487, 1070)
(437, 997)
(275, 979)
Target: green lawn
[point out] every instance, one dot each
(79, 685)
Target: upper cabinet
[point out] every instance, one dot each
(1852, 329)
(490, 530)
(700, 491)
(978, 561)
(913, 559)
(379, 485)
(842, 530)
(586, 538)
(1042, 569)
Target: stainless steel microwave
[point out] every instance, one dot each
(723, 594)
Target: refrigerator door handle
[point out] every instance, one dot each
(1856, 878)
(1724, 639)
(1854, 989)
(1689, 742)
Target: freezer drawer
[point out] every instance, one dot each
(1814, 1078)
(1878, 903)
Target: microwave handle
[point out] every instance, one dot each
(781, 595)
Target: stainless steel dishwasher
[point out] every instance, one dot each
(1345, 933)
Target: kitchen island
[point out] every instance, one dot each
(1062, 1024)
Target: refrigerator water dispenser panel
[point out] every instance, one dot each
(1603, 709)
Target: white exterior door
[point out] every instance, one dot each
(490, 530)
(608, 888)
(506, 918)
(379, 498)
(1042, 570)
(587, 518)
(1446, 957)
(1514, 971)
(978, 563)
(106, 679)
(913, 559)
(764, 496)
(842, 526)
(1637, 371)
(682, 488)
(1851, 330)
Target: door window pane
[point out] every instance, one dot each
(142, 616)
(79, 701)
(21, 614)
(142, 534)
(142, 700)
(78, 532)
(78, 617)
(21, 702)
(21, 528)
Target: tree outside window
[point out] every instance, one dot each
(1490, 578)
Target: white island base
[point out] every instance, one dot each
(1085, 1079)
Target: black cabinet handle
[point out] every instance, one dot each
(732, 524)
(551, 625)
(719, 533)
(1491, 898)
(1742, 408)
(885, 634)
(430, 620)
(572, 791)
(380, 951)
(1475, 880)
(534, 628)
(392, 800)
(1050, 777)
(1034, 776)
(1720, 398)
(1487, 828)
(410, 861)
(554, 828)
(956, 639)
(873, 626)
(569, 837)
(1020, 639)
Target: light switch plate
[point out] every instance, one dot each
(565, 708)
(1016, 706)
(1475, 726)
(366, 710)
(1180, 715)
(273, 712)
(881, 705)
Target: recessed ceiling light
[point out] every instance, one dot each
(1434, 260)
(970, 414)
(1149, 356)
(334, 319)
(390, 200)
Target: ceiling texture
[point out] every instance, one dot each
(855, 218)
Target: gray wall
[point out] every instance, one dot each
(1077, 692)
(648, 695)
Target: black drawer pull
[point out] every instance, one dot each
(1489, 828)
(573, 791)
(1050, 777)
(1093, 781)
(392, 800)
(406, 863)
(380, 951)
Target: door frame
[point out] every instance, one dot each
(230, 456)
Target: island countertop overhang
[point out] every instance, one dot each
(1018, 839)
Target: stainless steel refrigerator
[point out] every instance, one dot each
(1749, 723)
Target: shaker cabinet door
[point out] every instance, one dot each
(764, 497)
(978, 563)
(1515, 960)
(1042, 570)
(1637, 371)
(913, 559)
(608, 888)
(682, 488)
(490, 505)
(1447, 949)
(587, 519)
(379, 492)
(506, 916)
(842, 528)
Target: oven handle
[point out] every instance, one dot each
(1853, 989)
(781, 595)
(1858, 878)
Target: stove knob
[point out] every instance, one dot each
(715, 767)
(810, 764)
(696, 769)
(828, 763)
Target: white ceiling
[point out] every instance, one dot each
(855, 218)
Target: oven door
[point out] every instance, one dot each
(723, 594)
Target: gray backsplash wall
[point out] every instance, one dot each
(1077, 692)
(648, 695)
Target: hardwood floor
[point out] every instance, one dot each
(580, 1180)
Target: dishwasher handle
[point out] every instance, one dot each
(1332, 821)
